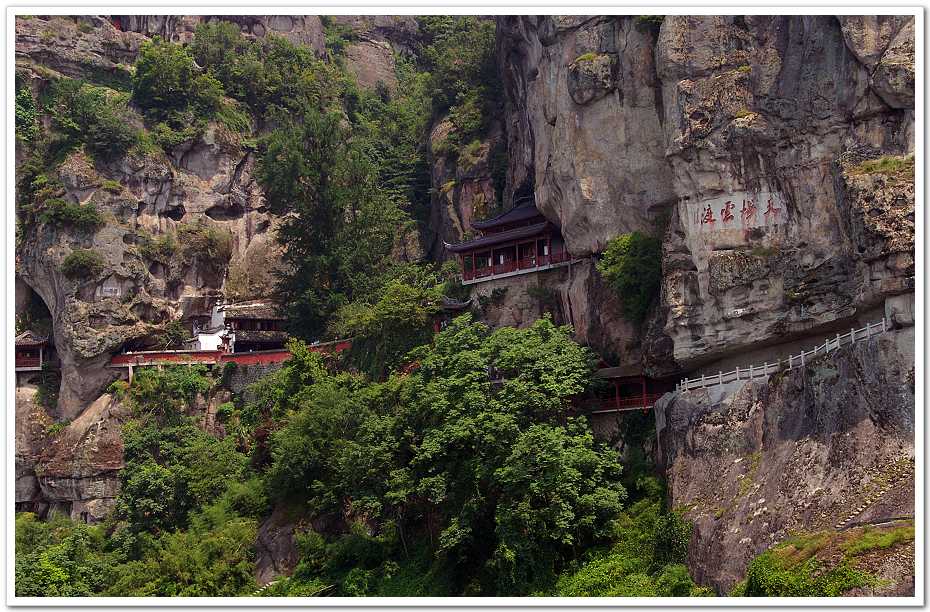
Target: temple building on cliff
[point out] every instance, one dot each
(256, 325)
(519, 241)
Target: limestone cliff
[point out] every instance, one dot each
(750, 463)
(774, 156)
(205, 185)
(748, 135)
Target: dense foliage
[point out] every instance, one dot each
(82, 264)
(822, 564)
(460, 474)
(457, 451)
(326, 190)
(27, 116)
(58, 212)
(632, 266)
(96, 117)
(646, 558)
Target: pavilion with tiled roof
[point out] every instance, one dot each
(519, 241)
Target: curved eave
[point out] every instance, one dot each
(492, 240)
(514, 215)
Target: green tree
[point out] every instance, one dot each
(215, 557)
(167, 79)
(59, 558)
(558, 486)
(27, 116)
(326, 190)
(93, 116)
(632, 267)
(395, 319)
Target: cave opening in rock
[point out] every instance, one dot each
(176, 213)
(226, 213)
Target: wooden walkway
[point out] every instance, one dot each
(195, 357)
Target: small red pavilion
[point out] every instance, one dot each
(518, 241)
(30, 351)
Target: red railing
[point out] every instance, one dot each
(219, 356)
(27, 362)
(526, 263)
(613, 403)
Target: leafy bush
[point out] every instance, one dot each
(59, 558)
(112, 186)
(234, 118)
(165, 393)
(640, 561)
(632, 266)
(58, 212)
(168, 137)
(204, 243)
(27, 116)
(93, 116)
(83, 264)
(161, 248)
(56, 428)
(173, 335)
(269, 75)
(214, 557)
(166, 80)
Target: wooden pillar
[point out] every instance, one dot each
(642, 380)
(473, 266)
(41, 355)
(616, 395)
(130, 373)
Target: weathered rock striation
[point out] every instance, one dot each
(751, 462)
(584, 127)
(742, 132)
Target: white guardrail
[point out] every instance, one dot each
(794, 361)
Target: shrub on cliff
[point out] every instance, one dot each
(204, 243)
(82, 264)
(27, 116)
(632, 267)
(61, 213)
(270, 74)
(167, 80)
(93, 116)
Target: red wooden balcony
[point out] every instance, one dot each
(605, 404)
(525, 263)
(28, 362)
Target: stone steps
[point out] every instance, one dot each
(896, 473)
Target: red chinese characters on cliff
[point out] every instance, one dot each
(708, 216)
(726, 213)
(771, 210)
(748, 212)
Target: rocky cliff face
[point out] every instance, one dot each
(774, 155)
(584, 124)
(207, 183)
(748, 134)
(751, 462)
